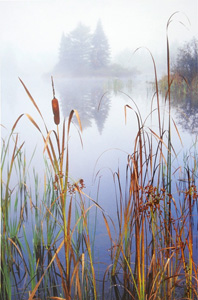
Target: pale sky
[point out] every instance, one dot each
(32, 29)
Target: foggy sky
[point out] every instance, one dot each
(30, 31)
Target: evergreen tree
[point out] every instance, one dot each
(65, 54)
(100, 54)
(81, 47)
(80, 52)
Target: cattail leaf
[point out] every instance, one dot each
(47, 140)
(83, 266)
(19, 251)
(70, 119)
(125, 114)
(107, 227)
(31, 98)
(77, 281)
(69, 218)
(155, 134)
(56, 298)
(33, 122)
(16, 122)
(177, 132)
(31, 297)
(62, 277)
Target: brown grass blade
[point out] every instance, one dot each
(16, 122)
(56, 298)
(21, 255)
(31, 98)
(49, 211)
(83, 266)
(155, 134)
(47, 141)
(14, 151)
(31, 297)
(70, 119)
(62, 277)
(63, 147)
(125, 114)
(138, 111)
(177, 132)
(107, 226)
(76, 276)
(33, 122)
(69, 218)
(78, 118)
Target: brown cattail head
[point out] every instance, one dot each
(55, 108)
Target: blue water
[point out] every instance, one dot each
(108, 136)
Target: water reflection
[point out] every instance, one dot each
(186, 110)
(86, 95)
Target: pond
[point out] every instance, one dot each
(109, 110)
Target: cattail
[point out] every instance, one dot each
(55, 108)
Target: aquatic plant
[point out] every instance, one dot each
(151, 251)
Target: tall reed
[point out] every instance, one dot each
(151, 240)
(73, 285)
(13, 199)
(149, 220)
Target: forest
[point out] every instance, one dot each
(82, 53)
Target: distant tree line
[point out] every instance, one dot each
(184, 71)
(186, 64)
(83, 52)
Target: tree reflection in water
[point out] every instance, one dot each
(186, 111)
(84, 95)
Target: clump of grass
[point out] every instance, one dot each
(62, 194)
(59, 158)
(13, 200)
(152, 246)
(149, 253)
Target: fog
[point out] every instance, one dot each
(31, 30)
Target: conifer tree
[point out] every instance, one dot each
(81, 48)
(100, 54)
(65, 54)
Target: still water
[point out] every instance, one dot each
(108, 134)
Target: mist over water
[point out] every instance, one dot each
(33, 34)
(31, 31)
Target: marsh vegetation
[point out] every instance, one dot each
(59, 241)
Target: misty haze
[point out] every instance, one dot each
(99, 149)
